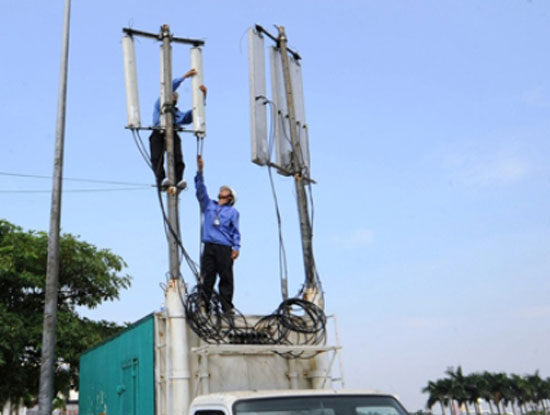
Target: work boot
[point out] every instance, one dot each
(229, 315)
(165, 184)
(182, 185)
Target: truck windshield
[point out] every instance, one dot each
(321, 405)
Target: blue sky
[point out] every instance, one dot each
(429, 142)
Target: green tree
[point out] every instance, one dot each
(438, 391)
(537, 386)
(529, 393)
(522, 392)
(87, 277)
(476, 389)
(509, 394)
(499, 389)
(546, 391)
(459, 388)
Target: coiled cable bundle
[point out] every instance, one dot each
(296, 322)
(208, 319)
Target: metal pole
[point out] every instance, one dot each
(167, 106)
(178, 375)
(47, 365)
(132, 32)
(305, 226)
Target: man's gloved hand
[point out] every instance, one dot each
(200, 163)
(190, 73)
(204, 90)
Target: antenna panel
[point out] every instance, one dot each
(299, 108)
(283, 143)
(199, 120)
(130, 77)
(258, 100)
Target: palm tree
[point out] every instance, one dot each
(508, 394)
(448, 385)
(497, 388)
(537, 386)
(529, 393)
(546, 389)
(476, 387)
(438, 392)
(484, 392)
(521, 392)
(458, 387)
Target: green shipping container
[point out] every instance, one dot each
(117, 376)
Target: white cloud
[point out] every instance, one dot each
(484, 170)
(500, 171)
(355, 239)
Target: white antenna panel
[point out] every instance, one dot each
(258, 100)
(130, 77)
(299, 108)
(199, 120)
(283, 143)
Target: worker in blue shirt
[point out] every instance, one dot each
(221, 238)
(157, 138)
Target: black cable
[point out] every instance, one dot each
(141, 147)
(307, 175)
(296, 321)
(79, 190)
(167, 227)
(271, 143)
(304, 173)
(283, 270)
(36, 176)
(169, 230)
(312, 215)
(282, 119)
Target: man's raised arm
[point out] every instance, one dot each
(202, 194)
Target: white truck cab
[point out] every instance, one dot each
(297, 402)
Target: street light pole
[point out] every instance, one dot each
(47, 365)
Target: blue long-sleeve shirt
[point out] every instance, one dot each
(180, 118)
(227, 232)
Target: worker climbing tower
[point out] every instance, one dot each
(177, 386)
(198, 348)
